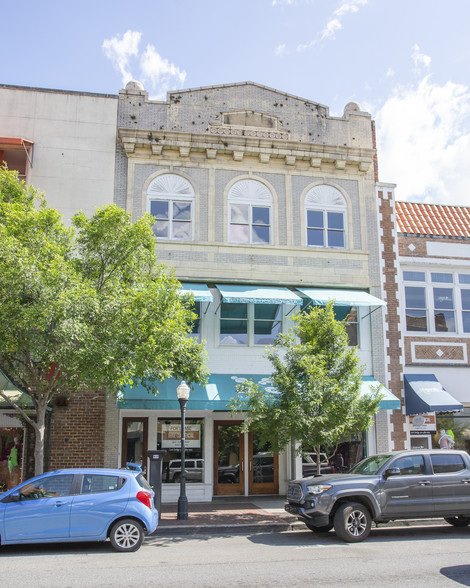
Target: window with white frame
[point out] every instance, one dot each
(249, 324)
(325, 217)
(170, 201)
(250, 213)
(437, 302)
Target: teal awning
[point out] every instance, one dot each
(389, 400)
(424, 393)
(341, 297)
(200, 291)
(213, 396)
(217, 394)
(258, 295)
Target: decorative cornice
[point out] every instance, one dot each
(141, 143)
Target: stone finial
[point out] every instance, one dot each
(351, 107)
(134, 87)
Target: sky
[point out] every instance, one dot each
(407, 62)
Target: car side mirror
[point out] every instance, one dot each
(392, 472)
(15, 497)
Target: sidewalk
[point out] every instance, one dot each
(244, 514)
(235, 513)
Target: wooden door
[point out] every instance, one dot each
(263, 468)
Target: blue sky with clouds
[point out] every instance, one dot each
(405, 61)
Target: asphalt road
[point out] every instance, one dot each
(420, 556)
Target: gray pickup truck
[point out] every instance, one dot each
(382, 488)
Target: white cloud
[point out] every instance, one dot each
(390, 73)
(161, 74)
(155, 72)
(119, 51)
(423, 134)
(420, 60)
(335, 24)
(280, 49)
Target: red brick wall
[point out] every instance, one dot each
(392, 317)
(77, 431)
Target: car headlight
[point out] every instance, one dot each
(318, 489)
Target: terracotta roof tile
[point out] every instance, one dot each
(433, 219)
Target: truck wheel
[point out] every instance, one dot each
(322, 529)
(352, 522)
(461, 521)
(126, 535)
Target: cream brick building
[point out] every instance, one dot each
(263, 202)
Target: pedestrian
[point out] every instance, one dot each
(339, 462)
(445, 440)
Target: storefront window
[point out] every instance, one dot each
(169, 439)
(11, 456)
(457, 426)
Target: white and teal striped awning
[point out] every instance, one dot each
(389, 400)
(258, 295)
(200, 291)
(341, 297)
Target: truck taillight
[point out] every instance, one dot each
(145, 498)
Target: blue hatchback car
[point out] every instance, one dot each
(80, 505)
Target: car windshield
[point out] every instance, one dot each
(371, 465)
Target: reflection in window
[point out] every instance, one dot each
(416, 314)
(169, 438)
(233, 324)
(444, 315)
(325, 229)
(250, 206)
(412, 465)
(267, 323)
(170, 202)
(465, 310)
(325, 210)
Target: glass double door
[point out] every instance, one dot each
(241, 462)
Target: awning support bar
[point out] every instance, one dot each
(366, 315)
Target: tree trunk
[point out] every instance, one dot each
(40, 429)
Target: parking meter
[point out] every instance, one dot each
(155, 476)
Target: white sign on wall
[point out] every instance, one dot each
(423, 422)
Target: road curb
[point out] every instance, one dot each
(178, 530)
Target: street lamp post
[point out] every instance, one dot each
(183, 396)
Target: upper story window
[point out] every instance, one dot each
(249, 324)
(437, 302)
(250, 213)
(325, 216)
(171, 202)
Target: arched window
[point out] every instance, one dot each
(170, 201)
(325, 214)
(250, 212)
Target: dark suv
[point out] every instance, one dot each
(382, 488)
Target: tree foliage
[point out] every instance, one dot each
(317, 378)
(86, 306)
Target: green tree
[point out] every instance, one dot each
(317, 378)
(86, 306)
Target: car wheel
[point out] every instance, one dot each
(461, 521)
(352, 522)
(126, 535)
(322, 529)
